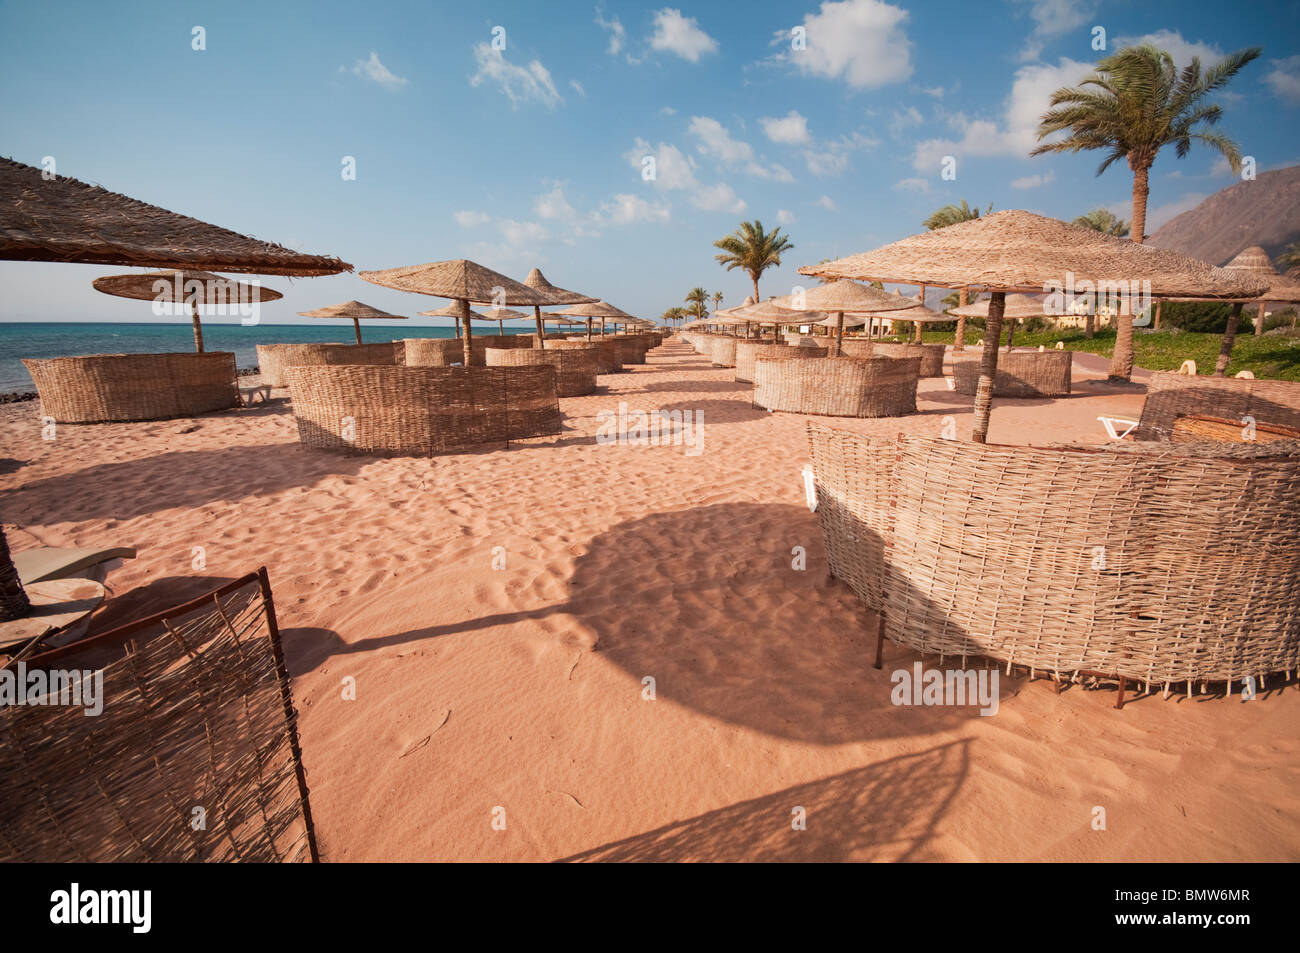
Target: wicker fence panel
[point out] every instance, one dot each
(1153, 563)
(101, 388)
(1170, 396)
(838, 386)
(931, 355)
(1020, 374)
(196, 713)
(606, 352)
(747, 352)
(722, 351)
(421, 410)
(272, 359)
(629, 349)
(575, 368)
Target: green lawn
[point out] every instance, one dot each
(1277, 358)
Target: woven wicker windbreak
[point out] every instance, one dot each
(272, 359)
(103, 388)
(62, 219)
(1150, 563)
(575, 368)
(838, 386)
(722, 351)
(443, 352)
(931, 355)
(1198, 428)
(421, 410)
(747, 352)
(1019, 374)
(197, 713)
(1170, 396)
(629, 349)
(14, 603)
(607, 361)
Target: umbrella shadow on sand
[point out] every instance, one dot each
(705, 600)
(886, 811)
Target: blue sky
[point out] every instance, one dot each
(533, 154)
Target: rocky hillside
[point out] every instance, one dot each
(1264, 212)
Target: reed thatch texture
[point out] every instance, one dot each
(1170, 396)
(106, 388)
(931, 355)
(197, 713)
(443, 352)
(1149, 563)
(1019, 374)
(272, 359)
(722, 351)
(1200, 428)
(421, 410)
(62, 219)
(575, 368)
(747, 352)
(607, 361)
(838, 386)
(1017, 306)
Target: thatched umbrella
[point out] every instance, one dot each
(354, 310)
(1255, 263)
(596, 309)
(503, 314)
(773, 313)
(537, 281)
(837, 297)
(462, 280)
(1019, 251)
(55, 218)
(1016, 308)
(182, 287)
(451, 311)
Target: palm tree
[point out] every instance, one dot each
(1134, 104)
(950, 215)
(752, 249)
(1290, 257)
(717, 300)
(698, 299)
(673, 314)
(1104, 221)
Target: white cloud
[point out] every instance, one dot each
(519, 83)
(376, 72)
(827, 203)
(716, 141)
(1015, 133)
(833, 157)
(1053, 18)
(673, 168)
(554, 205)
(912, 185)
(627, 209)
(717, 198)
(675, 33)
(1284, 79)
(790, 129)
(522, 233)
(901, 119)
(668, 111)
(784, 217)
(1172, 42)
(471, 219)
(1033, 181)
(617, 35)
(861, 42)
(577, 88)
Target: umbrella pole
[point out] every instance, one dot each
(501, 330)
(1159, 304)
(541, 328)
(602, 328)
(988, 367)
(198, 328)
(589, 329)
(356, 325)
(1229, 335)
(1259, 319)
(959, 342)
(468, 336)
(839, 333)
(1011, 330)
(457, 325)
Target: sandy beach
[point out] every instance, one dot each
(500, 609)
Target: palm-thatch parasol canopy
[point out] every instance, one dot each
(837, 297)
(62, 219)
(537, 281)
(1016, 306)
(597, 309)
(1254, 262)
(465, 281)
(355, 310)
(185, 287)
(1018, 251)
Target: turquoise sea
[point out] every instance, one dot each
(48, 339)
